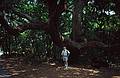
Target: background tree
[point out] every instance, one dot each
(90, 20)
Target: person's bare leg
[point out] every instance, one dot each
(66, 64)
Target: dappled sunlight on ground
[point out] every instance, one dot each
(5, 76)
(75, 72)
(20, 70)
(115, 76)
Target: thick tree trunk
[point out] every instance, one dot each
(77, 20)
(55, 11)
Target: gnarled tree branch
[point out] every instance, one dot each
(34, 25)
(13, 31)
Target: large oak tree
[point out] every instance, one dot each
(55, 9)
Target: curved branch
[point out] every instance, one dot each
(15, 31)
(34, 25)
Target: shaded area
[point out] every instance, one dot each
(18, 69)
(3, 72)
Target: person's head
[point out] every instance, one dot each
(64, 47)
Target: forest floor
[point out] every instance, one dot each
(18, 69)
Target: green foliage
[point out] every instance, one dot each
(66, 24)
(95, 19)
(66, 20)
(33, 44)
(37, 11)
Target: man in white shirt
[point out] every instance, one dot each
(65, 54)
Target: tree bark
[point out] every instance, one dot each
(77, 20)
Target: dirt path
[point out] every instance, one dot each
(3, 72)
(20, 70)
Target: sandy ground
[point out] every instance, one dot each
(18, 69)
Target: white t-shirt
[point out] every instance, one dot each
(65, 53)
